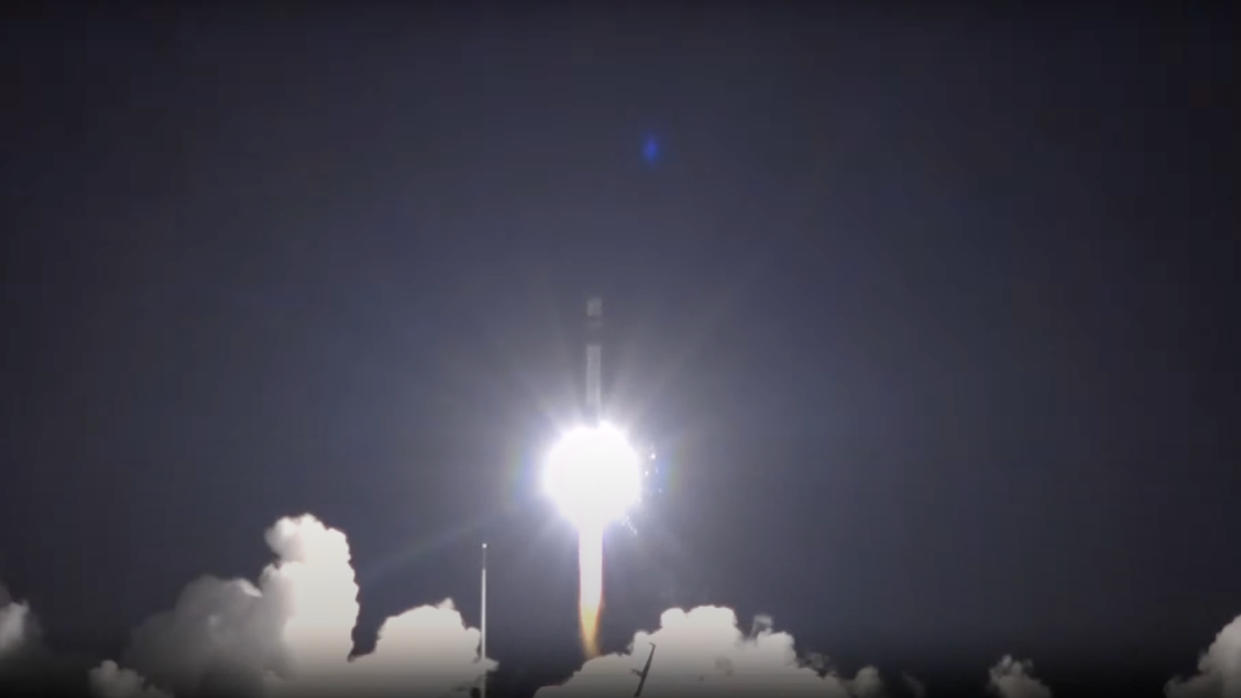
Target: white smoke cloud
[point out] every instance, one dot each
(428, 648)
(703, 652)
(19, 633)
(1013, 678)
(916, 688)
(12, 625)
(291, 634)
(867, 683)
(1219, 669)
(111, 681)
(27, 667)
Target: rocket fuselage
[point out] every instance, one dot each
(594, 359)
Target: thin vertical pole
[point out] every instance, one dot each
(483, 629)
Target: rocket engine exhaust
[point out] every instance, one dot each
(593, 475)
(589, 540)
(590, 588)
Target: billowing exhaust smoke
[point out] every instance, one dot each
(704, 652)
(27, 667)
(291, 634)
(111, 681)
(1219, 669)
(17, 629)
(915, 687)
(1014, 678)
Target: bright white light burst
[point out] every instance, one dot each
(593, 475)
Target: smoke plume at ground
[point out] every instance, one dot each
(703, 652)
(1014, 678)
(27, 666)
(17, 629)
(291, 634)
(914, 686)
(111, 681)
(1219, 669)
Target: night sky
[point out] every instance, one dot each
(930, 316)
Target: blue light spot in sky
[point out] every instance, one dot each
(650, 150)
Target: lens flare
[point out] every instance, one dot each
(593, 475)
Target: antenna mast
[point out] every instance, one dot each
(482, 651)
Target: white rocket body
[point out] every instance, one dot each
(594, 359)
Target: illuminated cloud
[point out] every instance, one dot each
(27, 667)
(703, 652)
(110, 681)
(916, 688)
(1012, 678)
(19, 633)
(1219, 669)
(867, 683)
(291, 634)
(427, 650)
(14, 619)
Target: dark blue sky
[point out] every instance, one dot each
(930, 313)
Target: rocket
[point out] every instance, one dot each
(594, 359)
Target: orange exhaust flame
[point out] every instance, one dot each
(590, 590)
